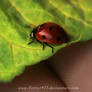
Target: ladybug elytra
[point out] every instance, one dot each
(49, 34)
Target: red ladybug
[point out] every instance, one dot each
(49, 34)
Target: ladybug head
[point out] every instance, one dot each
(32, 34)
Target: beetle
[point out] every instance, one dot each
(49, 34)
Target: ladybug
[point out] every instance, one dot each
(49, 34)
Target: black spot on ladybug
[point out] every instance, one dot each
(51, 28)
(58, 39)
(43, 37)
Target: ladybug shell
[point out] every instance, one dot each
(51, 33)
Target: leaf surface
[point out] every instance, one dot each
(75, 16)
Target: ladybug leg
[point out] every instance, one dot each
(42, 43)
(50, 47)
(43, 46)
(31, 41)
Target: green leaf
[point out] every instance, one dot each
(73, 15)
